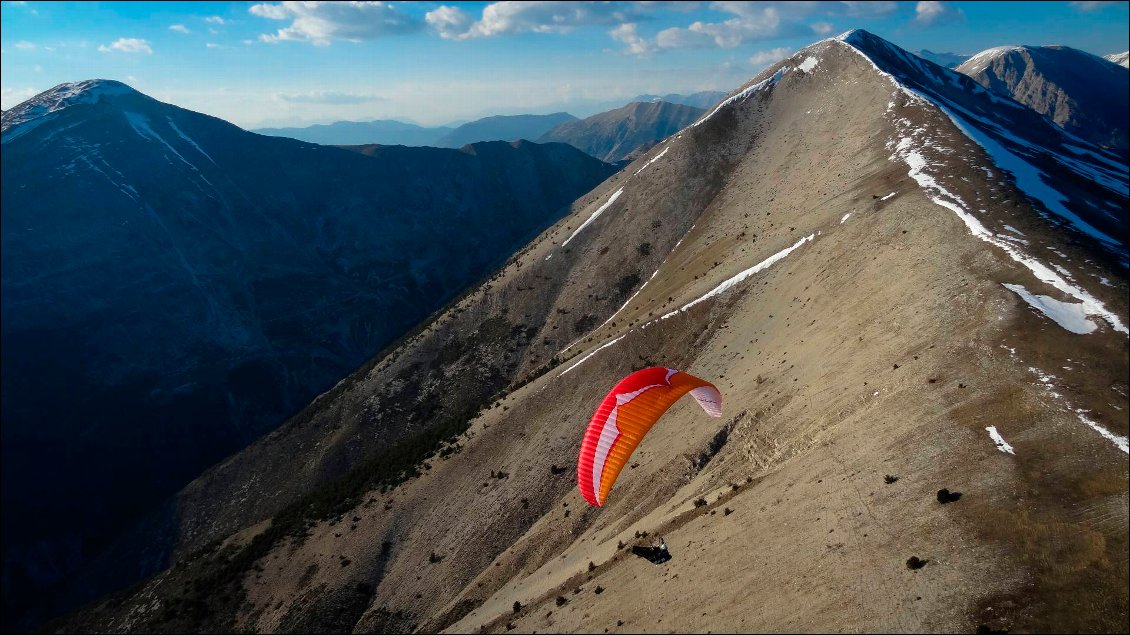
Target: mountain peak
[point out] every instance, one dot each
(63, 96)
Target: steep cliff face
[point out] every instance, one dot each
(175, 287)
(1084, 94)
(622, 133)
(900, 283)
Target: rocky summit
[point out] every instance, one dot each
(911, 292)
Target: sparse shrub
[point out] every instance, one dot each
(700, 502)
(561, 600)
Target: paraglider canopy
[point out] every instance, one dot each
(623, 418)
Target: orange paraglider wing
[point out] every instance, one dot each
(625, 416)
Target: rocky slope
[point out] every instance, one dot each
(1086, 95)
(901, 284)
(617, 134)
(174, 287)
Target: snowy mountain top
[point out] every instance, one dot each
(1119, 58)
(62, 96)
(986, 57)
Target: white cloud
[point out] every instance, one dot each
(271, 11)
(328, 97)
(823, 28)
(215, 19)
(930, 12)
(37, 68)
(179, 28)
(24, 45)
(1087, 7)
(23, 5)
(505, 18)
(320, 23)
(451, 23)
(128, 45)
(627, 34)
(212, 45)
(755, 21)
(761, 59)
(13, 96)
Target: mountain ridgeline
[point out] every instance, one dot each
(912, 295)
(174, 287)
(384, 132)
(619, 134)
(1084, 94)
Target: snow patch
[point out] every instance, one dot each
(177, 130)
(764, 264)
(586, 357)
(598, 212)
(844, 219)
(1002, 445)
(653, 160)
(1069, 315)
(765, 83)
(939, 195)
(887, 196)
(808, 64)
(1121, 442)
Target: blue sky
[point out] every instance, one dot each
(297, 63)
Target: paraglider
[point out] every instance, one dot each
(623, 418)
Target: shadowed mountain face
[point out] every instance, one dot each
(174, 287)
(503, 127)
(910, 291)
(617, 134)
(1085, 95)
(384, 132)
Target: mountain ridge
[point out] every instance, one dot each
(618, 134)
(1082, 93)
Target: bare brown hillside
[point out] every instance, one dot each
(865, 343)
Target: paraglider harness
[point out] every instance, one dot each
(654, 555)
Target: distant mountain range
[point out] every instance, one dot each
(621, 133)
(492, 128)
(1084, 94)
(949, 60)
(1120, 58)
(391, 132)
(384, 132)
(504, 128)
(703, 99)
(174, 287)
